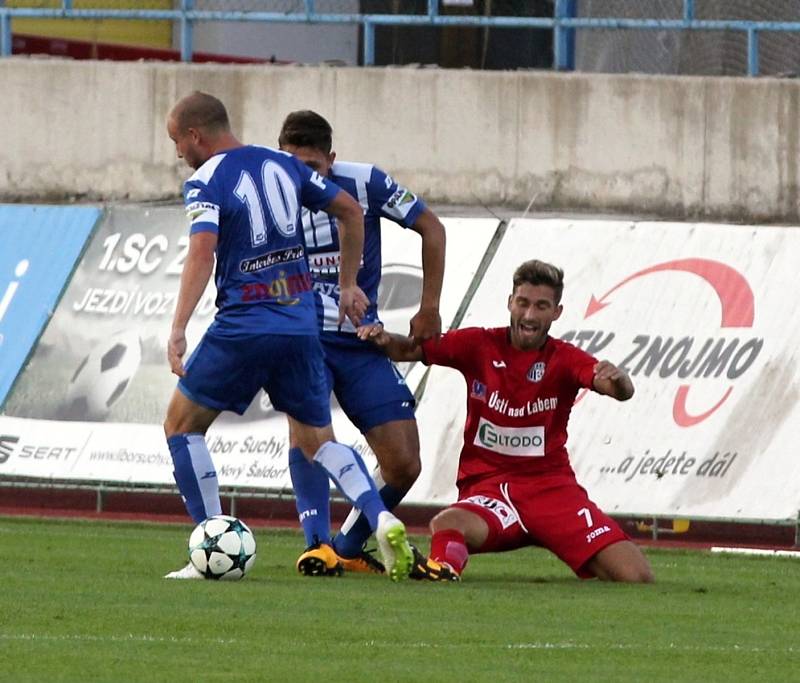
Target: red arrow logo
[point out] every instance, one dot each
(681, 415)
(734, 292)
(737, 310)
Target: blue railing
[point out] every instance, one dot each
(563, 24)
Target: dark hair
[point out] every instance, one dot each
(540, 273)
(201, 110)
(306, 128)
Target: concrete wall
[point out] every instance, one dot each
(723, 148)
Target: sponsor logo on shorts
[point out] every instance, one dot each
(599, 531)
(536, 372)
(498, 508)
(525, 442)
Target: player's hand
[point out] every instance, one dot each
(353, 304)
(426, 324)
(612, 381)
(373, 332)
(608, 371)
(176, 348)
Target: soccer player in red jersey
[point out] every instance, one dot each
(515, 484)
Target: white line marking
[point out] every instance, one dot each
(644, 647)
(756, 551)
(127, 638)
(566, 645)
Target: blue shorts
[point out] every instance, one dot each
(225, 372)
(366, 383)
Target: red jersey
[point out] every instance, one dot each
(518, 402)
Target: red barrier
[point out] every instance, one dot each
(23, 44)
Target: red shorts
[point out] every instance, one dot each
(549, 511)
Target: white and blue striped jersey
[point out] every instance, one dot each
(379, 196)
(252, 197)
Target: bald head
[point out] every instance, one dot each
(202, 111)
(199, 127)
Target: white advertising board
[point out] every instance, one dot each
(90, 404)
(703, 318)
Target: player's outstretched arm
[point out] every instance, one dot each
(427, 323)
(197, 270)
(612, 381)
(398, 348)
(352, 301)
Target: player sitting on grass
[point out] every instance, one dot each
(515, 485)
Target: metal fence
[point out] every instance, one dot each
(511, 14)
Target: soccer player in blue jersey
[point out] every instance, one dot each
(244, 205)
(367, 385)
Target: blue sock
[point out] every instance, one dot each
(312, 490)
(195, 475)
(350, 475)
(355, 530)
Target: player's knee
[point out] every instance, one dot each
(634, 572)
(400, 467)
(181, 422)
(446, 519)
(308, 438)
(171, 426)
(402, 473)
(642, 574)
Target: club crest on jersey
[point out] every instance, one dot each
(478, 390)
(536, 372)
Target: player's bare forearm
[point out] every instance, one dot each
(398, 348)
(353, 302)
(351, 236)
(197, 270)
(427, 323)
(612, 381)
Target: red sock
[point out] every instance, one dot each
(451, 547)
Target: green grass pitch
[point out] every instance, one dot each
(85, 601)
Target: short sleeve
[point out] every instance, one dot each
(316, 192)
(202, 206)
(454, 349)
(581, 366)
(393, 201)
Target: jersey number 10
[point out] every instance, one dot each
(280, 195)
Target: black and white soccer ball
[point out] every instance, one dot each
(103, 377)
(222, 547)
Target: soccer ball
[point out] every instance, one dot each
(103, 376)
(222, 547)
